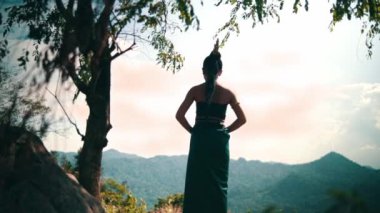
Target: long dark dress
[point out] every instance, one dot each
(207, 167)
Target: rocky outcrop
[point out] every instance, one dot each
(31, 181)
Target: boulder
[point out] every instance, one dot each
(31, 180)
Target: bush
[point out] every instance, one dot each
(116, 198)
(172, 203)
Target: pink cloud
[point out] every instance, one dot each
(287, 112)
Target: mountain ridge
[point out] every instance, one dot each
(330, 155)
(253, 184)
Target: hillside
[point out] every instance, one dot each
(252, 184)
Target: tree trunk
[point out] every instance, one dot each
(98, 125)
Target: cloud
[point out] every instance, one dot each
(369, 147)
(284, 109)
(299, 95)
(287, 122)
(353, 111)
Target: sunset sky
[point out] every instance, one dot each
(306, 91)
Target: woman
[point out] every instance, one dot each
(207, 167)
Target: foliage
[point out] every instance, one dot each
(67, 166)
(116, 198)
(17, 108)
(368, 11)
(80, 39)
(258, 11)
(272, 209)
(68, 161)
(257, 174)
(252, 184)
(58, 29)
(346, 202)
(172, 203)
(148, 178)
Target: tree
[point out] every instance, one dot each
(272, 209)
(259, 11)
(19, 110)
(171, 203)
(117, 198)
(65, 164)
(79, 39)
(346, 201)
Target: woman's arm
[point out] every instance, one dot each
(240, 120)
(180, 115)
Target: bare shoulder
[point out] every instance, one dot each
(195, 91)
(232, 97)
(197, 87)
(228, 94)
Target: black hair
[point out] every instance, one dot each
(211, 66)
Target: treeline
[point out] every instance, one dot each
(116, 197)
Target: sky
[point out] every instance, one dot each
(305, 91)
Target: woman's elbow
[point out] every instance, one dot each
(178, 116)
(243, 120)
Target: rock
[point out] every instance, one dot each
(72, 177)
(31, 180)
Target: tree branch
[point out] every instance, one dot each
(102, 29)
(70, 68)
(123, 51)
(70, 6)
(117, 22)
(136, 36)
(102, 35)
(60, 6)
(63, 10)
(73, 123)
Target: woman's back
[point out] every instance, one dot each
(215, 110)
(221, 94)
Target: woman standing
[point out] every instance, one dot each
(207, 166)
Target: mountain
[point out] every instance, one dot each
(148, 178)
(253, 184)
(308, 184)
(114, 154)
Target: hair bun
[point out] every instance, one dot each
(215, 52)
(215, 55)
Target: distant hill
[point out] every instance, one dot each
(114, 154)
(148, 178)
(252, 184)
